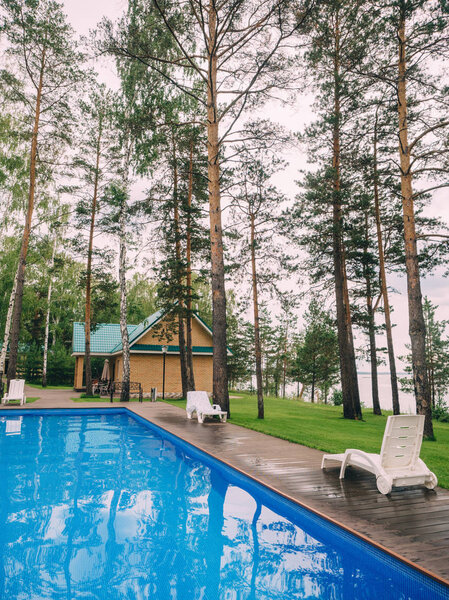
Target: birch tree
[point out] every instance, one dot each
(47, 316)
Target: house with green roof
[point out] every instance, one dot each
(148, 342)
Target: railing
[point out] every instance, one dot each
(116, 388)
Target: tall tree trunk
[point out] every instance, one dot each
(417, 329)
(220, 370)
(17, 312)
(181, 312)
(257, 345)
(47, 316)
(383, 282)
(284, 364)
(312, 395)
(124, 395)
(189, 344)
(126, 374)
(371, 326)
(88, 303)
(348, 370)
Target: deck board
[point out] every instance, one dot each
(413, 522)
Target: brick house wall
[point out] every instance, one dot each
(147, 368)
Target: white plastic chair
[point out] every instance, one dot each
(199, 402)
(398, 463)
(16, 392)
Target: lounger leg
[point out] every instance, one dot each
(432, 481)
(344, 464)
(200, 418)
(223, 418)
(189, 415)
(384, 484)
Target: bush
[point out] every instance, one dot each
(337, 398)
(440, 411)
(29, 363)
(60, 365)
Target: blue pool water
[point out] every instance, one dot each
(100, 505)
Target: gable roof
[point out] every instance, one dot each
(106, 337)
(142, 328)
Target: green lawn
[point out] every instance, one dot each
(38, 386)
(29, 401)
(323, 427)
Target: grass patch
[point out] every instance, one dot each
(38, 386)
(30, 400)
(323, 427)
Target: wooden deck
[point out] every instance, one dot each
(412, 523)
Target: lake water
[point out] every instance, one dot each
(406, 401)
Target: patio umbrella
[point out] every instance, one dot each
(105, 372)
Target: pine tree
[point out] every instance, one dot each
(96, 163)
(416, 33)
(226, 46)
(257, 210)
(437, 357)
(43, 48)
(338, 39)
(316, 361)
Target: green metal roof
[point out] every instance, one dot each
(107, 339)
(103, 340)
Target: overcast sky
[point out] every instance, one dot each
(85, 14)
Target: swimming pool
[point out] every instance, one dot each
(100, 504)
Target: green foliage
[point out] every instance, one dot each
(29, 363)
(61, 365)
(437, 358)
(142, 298)
(440, 411)
(337, 398)
(317, 356)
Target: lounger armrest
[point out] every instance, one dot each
(362, 454)
(216, 406)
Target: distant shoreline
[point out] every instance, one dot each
(380, 373)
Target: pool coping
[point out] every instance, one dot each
(130, 409)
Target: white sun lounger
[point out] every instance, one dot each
(13, 426)
(398, 463)
(16, 392)
(199, 402)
